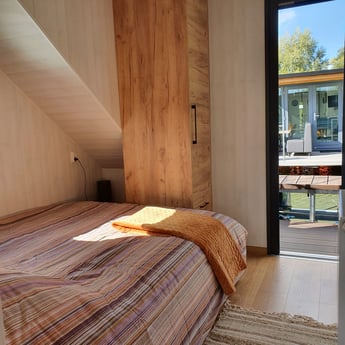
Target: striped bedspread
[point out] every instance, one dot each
(68, 277)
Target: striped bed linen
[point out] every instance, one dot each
(68, 277)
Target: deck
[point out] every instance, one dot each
(315, 159)
(300, 236)
(312, 174)
(311, 184)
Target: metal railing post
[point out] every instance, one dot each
(312, 206)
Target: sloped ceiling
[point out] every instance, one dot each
(71, 77)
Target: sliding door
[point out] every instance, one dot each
(327, 133)
(341, 306)
(325, 112)
(326, 117)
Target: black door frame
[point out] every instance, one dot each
(272, 160)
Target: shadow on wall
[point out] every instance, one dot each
(117, 181)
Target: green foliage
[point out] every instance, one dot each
(338, 61)
(300, 52)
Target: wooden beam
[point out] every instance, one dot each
(307, 79)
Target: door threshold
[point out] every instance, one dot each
(309, 256)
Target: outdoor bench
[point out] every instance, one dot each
(311, 184)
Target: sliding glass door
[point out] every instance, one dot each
(326, 117)
(321, 105)
(296, 105)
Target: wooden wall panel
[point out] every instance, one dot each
(237, 70)
(35, 156)
(83, 32)
(77, 104)
(199, 86)
(151, 39)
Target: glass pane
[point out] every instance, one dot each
(297, 112)
(326, 115)
(280, 120)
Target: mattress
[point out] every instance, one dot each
(68, 277)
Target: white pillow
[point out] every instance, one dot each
(2, 327)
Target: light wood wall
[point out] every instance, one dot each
(35, 167)
(75, 96)
(237, 70)
(83, 32)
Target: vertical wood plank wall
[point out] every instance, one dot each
(151, 43)
(35, 167)
(237, 71)
(83, 32)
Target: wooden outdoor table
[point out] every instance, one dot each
(310, 184)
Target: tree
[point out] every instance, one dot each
(300, 52)
(338, 61)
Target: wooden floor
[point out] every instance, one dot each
(297, 235)
(292, 285)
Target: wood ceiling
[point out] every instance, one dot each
(61, 53)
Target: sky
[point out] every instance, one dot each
(326, 22)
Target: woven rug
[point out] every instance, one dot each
(239, 326)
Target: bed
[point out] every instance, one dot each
(68, 276)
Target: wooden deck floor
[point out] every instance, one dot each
(301, 236)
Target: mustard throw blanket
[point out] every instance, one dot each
(208, 233)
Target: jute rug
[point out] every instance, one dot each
(239, 326)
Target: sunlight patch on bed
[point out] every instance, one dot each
(104, 232)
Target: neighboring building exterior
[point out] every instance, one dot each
(315, 97)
